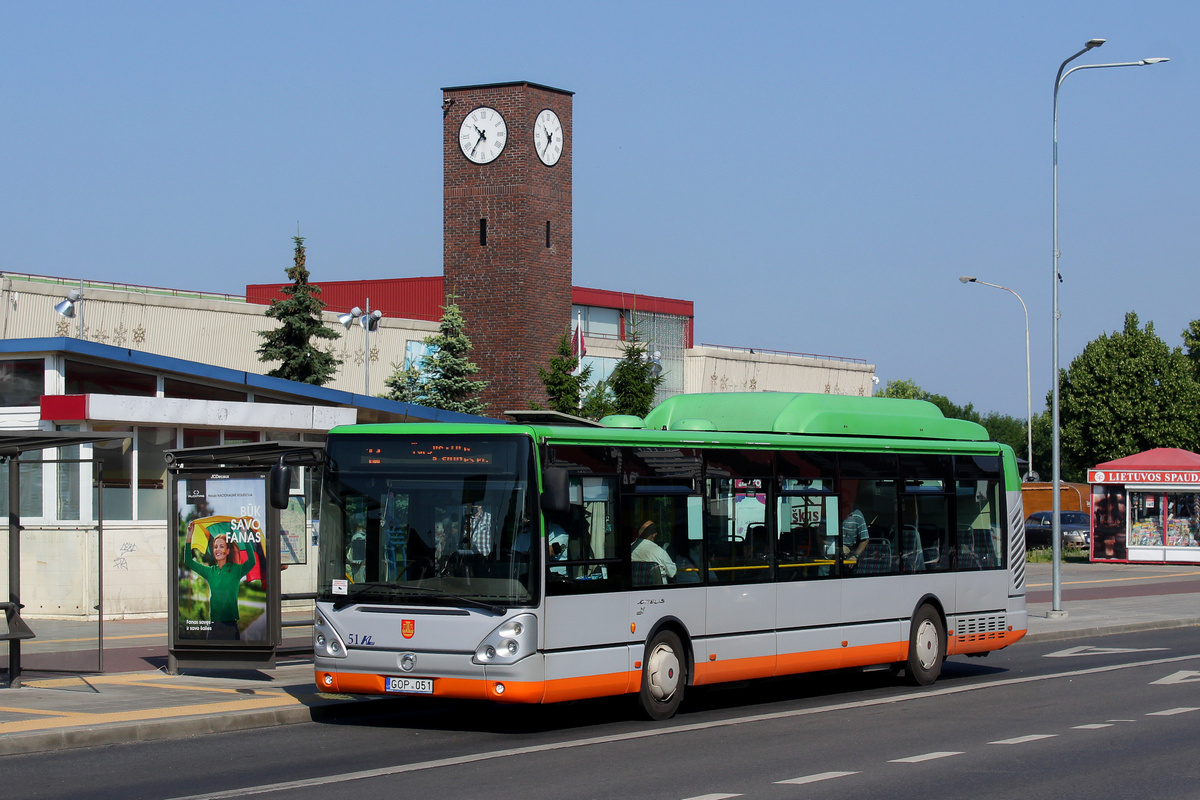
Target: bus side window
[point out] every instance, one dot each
(979, 513)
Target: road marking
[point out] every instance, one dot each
(1171, 712)
(1093, 726)
(398, 769)
(713, 797)
(1033, 737)
(925, 757)
(1118, 580)
(1185, 676)
(1101, 651)
(820, 776)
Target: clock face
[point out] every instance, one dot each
(482, 135)
(548, 137)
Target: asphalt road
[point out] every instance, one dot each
(1104, 717)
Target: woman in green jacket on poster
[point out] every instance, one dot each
(224, 579)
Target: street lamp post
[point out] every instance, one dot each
(369, 320)
(1029, 472)
(1055, 457)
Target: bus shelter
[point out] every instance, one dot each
(13, 628)
(1146, 508)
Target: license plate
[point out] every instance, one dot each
(410, 685)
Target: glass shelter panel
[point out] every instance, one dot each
(115, 458)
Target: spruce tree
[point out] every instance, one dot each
(444, 380)
(299, 315)
(565, 387)
(633, 381)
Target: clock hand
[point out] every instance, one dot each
(482, 138)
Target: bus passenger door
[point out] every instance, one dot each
(742, 594)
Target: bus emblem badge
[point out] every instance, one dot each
(408, 627)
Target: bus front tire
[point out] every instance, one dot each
(664, 676)
(926, 647)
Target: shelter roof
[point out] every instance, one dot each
(1164, 458)
(371, 409)
(13, 443)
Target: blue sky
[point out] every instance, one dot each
(814, 176)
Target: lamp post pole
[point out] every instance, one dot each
(1029, 472)
(369, 321)
(1055, 455)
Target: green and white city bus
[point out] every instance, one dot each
(724, 537)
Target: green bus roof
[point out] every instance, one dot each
(812, 414)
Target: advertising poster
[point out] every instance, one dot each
(222, 560)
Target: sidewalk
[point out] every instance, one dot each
(144, 703)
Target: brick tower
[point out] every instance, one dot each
(506, 218)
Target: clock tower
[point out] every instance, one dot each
(507, 152)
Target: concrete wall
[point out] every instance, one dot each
(210, 330)
(715, 369)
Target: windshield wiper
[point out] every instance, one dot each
(392, 591)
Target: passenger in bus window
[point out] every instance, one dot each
(854, 524)
(481, 531)
(645, 549)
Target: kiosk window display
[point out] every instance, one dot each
(1146, 508)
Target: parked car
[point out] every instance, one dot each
(1076, 528)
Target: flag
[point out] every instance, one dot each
(577, 345)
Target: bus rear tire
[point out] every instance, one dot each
(664, 676)
(926, 647)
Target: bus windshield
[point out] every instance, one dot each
(428, 520)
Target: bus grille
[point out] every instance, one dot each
(978, 629)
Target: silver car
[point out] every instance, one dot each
(1076, 528)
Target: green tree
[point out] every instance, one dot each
(598, 403)
(444, 380)
(1191, 343)
(1125, 393)
(299, 315)
(633, 380)
(404, 383)
(1042, 454)
(564, 386)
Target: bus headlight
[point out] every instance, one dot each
(326, 641)
(511, 641)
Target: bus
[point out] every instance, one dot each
(724, 537)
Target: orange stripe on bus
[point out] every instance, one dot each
(608, 685)
(709, 669)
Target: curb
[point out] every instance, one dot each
(169, 727)
(1105, 630)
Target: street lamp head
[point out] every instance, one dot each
(967, 279)
(1146, 61)
(1094, 43)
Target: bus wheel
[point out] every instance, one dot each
(926, 647)
(664, 674)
